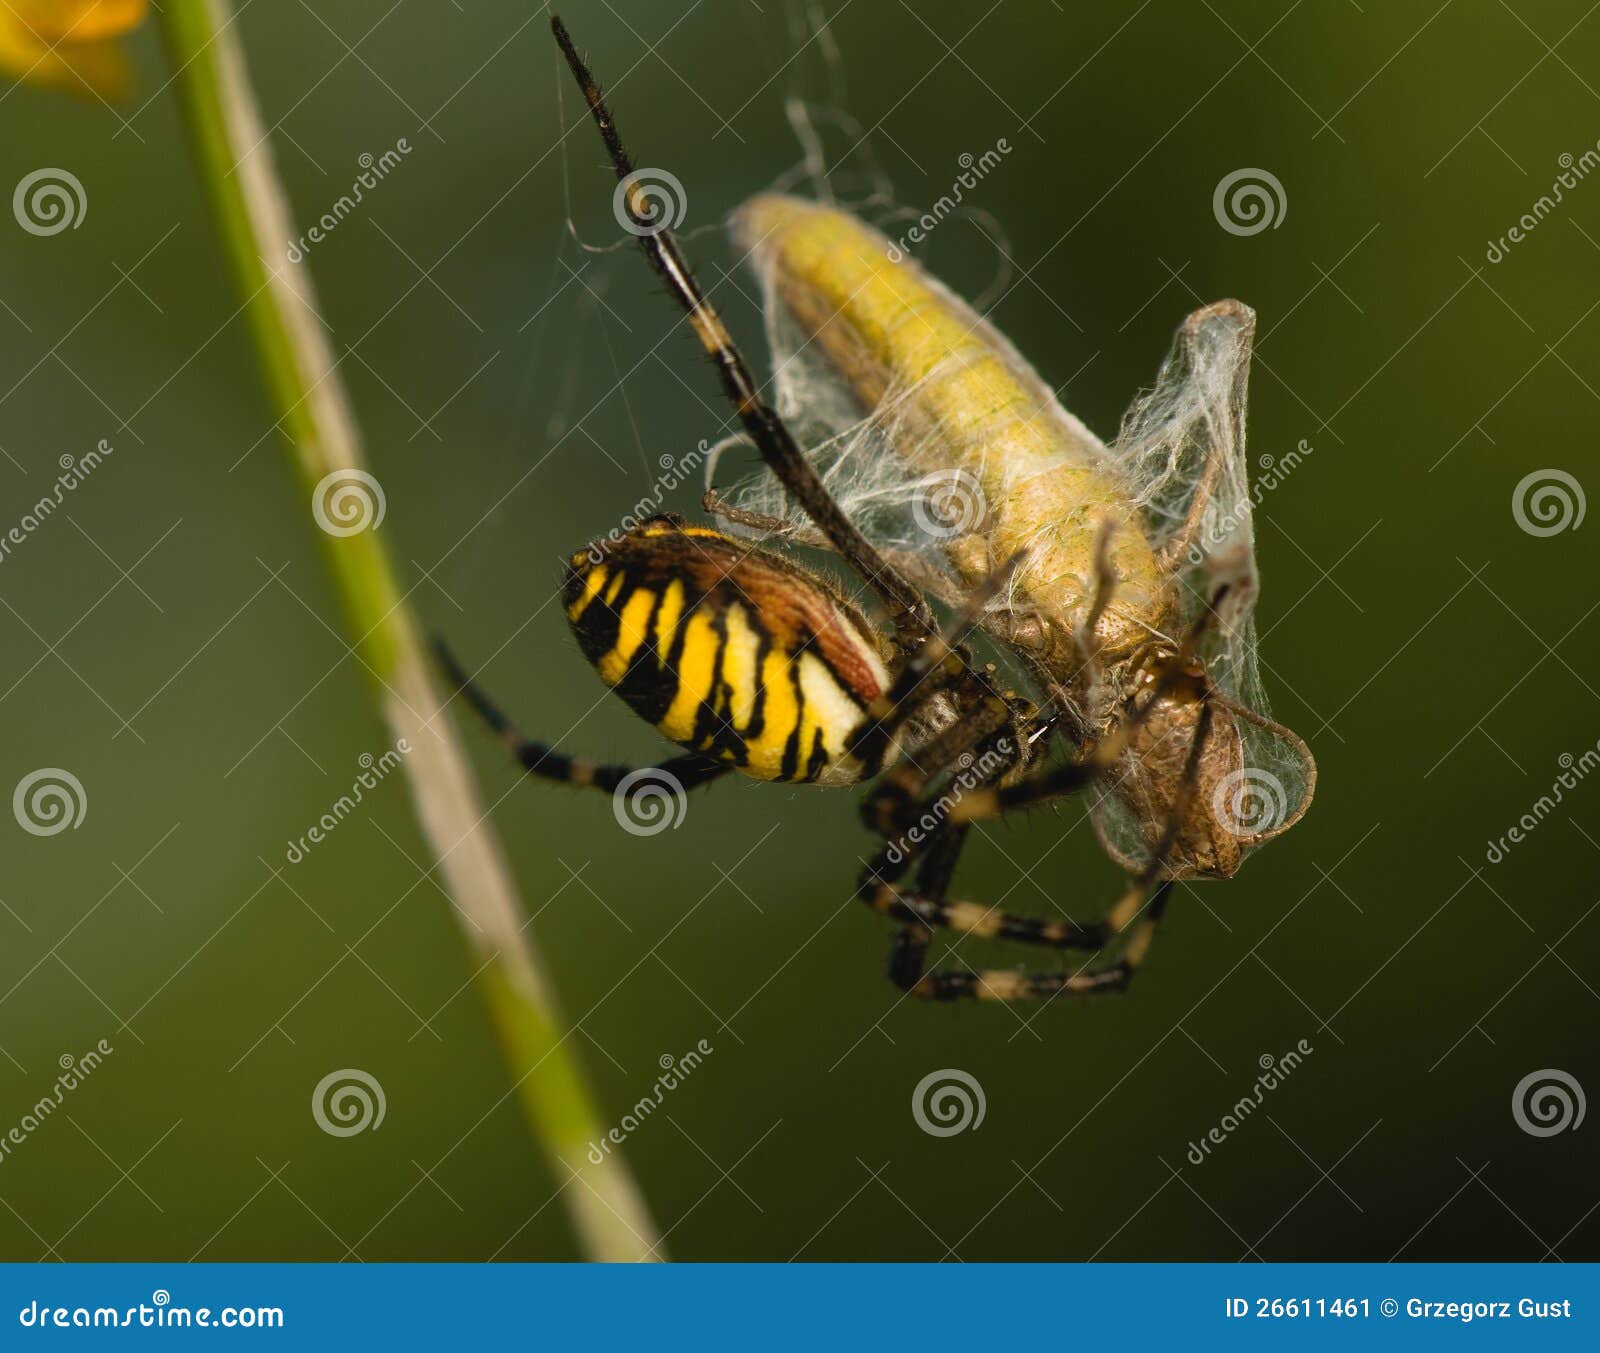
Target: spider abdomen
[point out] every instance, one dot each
(729, 650)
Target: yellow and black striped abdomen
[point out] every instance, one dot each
(728, 649)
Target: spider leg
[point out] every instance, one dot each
(1137, 915)
(908, 953)
(912, 618)
(910, 565)
(935, 849)
(537, 758)
(937, 664)
(893, 802)
(1008, 984)
(714, 503)
(894, 797)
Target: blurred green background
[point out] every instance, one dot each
(171, 639)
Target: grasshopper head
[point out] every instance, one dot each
(1248, 779)
(1162, 781)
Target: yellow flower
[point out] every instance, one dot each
(70, 44)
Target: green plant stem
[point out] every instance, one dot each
(252, 215)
